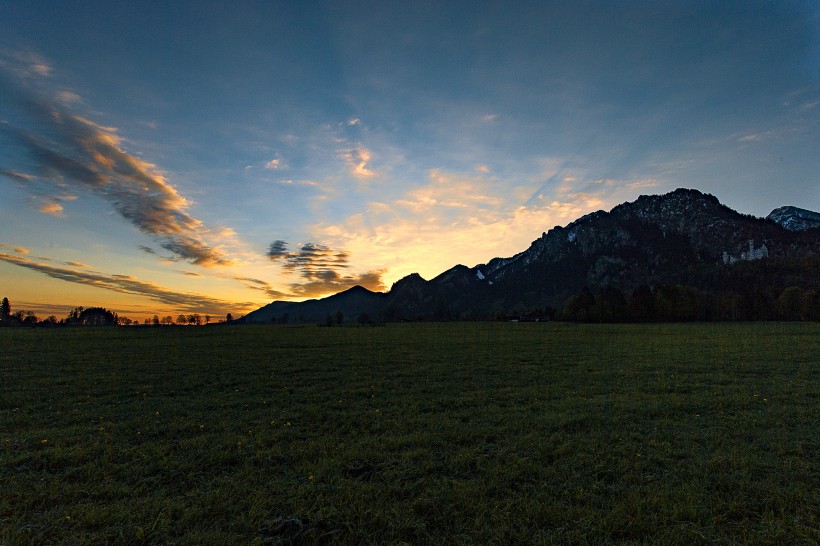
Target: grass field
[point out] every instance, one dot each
(417, 433)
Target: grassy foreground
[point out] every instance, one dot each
(418, 433)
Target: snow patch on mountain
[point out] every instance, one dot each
(794, 218)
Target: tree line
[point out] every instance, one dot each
(677, 303)
(99, 316)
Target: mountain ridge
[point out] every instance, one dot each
(681, 237)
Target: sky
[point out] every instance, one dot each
(211, 157)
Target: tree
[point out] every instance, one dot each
(229, 318)
(642, 304)
(182, 320)
(581, 308)
(611, 304)
(789, 303)
(74, 316)
(97, 316)
(5, 309)
(207, 319)
(155, 321)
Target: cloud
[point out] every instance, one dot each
(331, 282)
(51, 208)
(466, 218)
(68, 97)
(353, 121)
(278, 249)
(272, 164)
(127, 284)
(24, 64)
(322, 269)
(192, 250)
(65, 149)
(17, 176)
(76, 264)
(446, 191)
(310, 260)
(263, 286)
(17, 249)
(358, 160)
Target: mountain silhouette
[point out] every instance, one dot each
(684, 237)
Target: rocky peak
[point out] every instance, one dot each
(794, 218)
(411, 282)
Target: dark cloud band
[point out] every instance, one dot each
(126, 284)
(64, 148)
(322, 268)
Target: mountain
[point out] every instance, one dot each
(684, 237)
(795, 219)
(353, 304)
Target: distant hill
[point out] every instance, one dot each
(684, 238)
(795, 219)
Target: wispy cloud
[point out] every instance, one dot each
(322, 268)
(65, 149)
(17, 249)
(24, 64)
(51, 208)
(451, 191)
(127, 284)
(272, 164)
(309, 259)
(68, 97)
(263, 286)
(17, 176)
(358, 160)
(468, 218)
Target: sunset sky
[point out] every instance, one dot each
(179, 157)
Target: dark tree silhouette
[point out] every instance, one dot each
(97, 316)
(5, 309)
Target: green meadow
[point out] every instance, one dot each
(453, 433)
